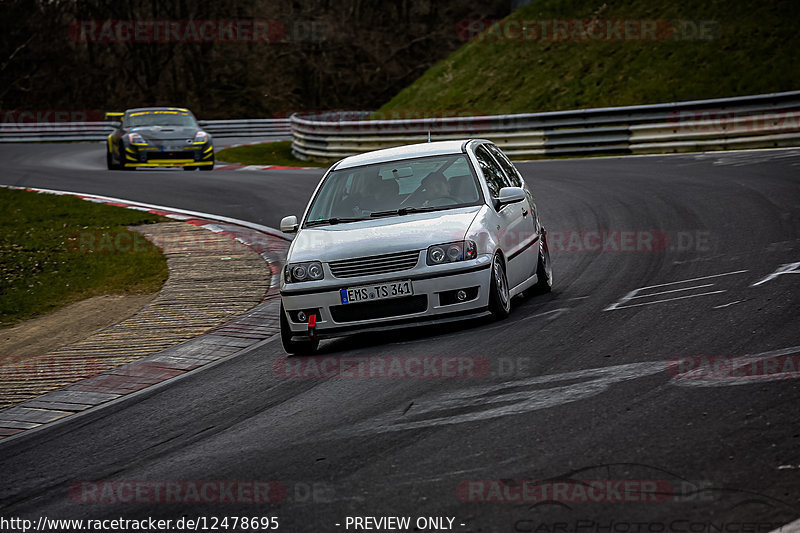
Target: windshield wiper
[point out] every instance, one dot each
(407, 210)
(332, 220)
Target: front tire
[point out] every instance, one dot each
(110, 159)
(499, 296)
(544, 269)
(122, 165)
(293, 347)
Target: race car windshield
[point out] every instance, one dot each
(396, 188)
(159, 119)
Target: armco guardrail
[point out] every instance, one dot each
(262, 127)
(55, 131)
(768, 120)
(98, 131)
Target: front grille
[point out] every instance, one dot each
(377, 264)
(183, 154)
(380, 309)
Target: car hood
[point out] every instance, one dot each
(163, 133)
(385, 235)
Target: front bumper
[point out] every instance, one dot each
(432, 303)
(152, 156)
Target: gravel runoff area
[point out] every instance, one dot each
(220, 298)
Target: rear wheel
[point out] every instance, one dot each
(499, 296)
(544, 270)
(294, 347)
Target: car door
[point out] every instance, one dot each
(517, 231)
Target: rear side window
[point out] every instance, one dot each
(495, 178)
(508, 167)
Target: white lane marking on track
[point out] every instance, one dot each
(489, 401)
(673, 290)
(789, 268)
(694, 279)
(668, 300)
(733, 370)
(728, 304)
(486, 398)
(555, 312)
(793, 527)
(504, 325)
(622, 303)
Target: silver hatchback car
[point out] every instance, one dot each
(420, 234)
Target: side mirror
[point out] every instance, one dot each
(289, 224)
(509, 195)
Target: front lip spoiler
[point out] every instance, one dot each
(401, 323)
(171, 163)
(412, 277)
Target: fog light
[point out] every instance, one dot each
(301, 316)
(461, 295)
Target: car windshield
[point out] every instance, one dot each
(395, 188)
(159, 118)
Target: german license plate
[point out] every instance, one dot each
(381, 291)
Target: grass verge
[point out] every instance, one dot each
(56, 250)
(707, 49)
(272, 153)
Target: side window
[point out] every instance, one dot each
(508, 167)
(495, 178)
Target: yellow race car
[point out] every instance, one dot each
(158, 137)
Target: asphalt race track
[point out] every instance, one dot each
(656, 259)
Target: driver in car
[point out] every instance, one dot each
(433, 188)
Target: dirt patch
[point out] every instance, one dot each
(70, 324)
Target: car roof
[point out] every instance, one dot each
(404, 152)
(144, 109)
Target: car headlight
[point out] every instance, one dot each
(135, 138)
(201, 137)
(451, 252)
(310, 271)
